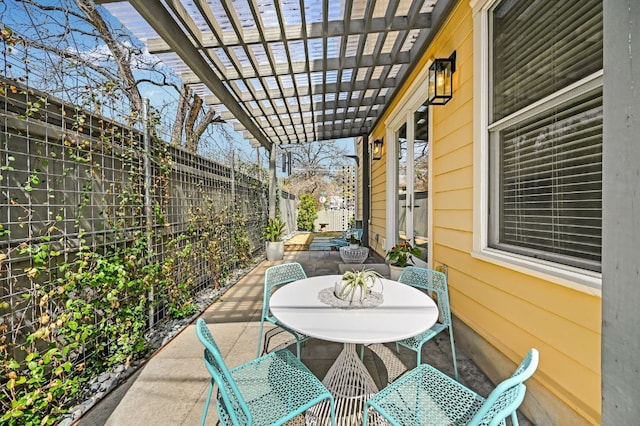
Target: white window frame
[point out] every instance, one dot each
(577, 278)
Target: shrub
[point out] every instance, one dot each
(307, 212)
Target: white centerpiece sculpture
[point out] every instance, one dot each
(356, 285)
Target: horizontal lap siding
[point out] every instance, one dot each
(511, 310)
(378, 206)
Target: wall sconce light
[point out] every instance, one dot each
(377, 149)
(441, 80)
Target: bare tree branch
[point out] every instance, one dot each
(76, 57)
(192, 115)
(209, 118)
(73, 32)
(122, 59)
(178, 124)
(54, 8)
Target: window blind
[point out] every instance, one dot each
(546, 169)
(539, 47)
(551, 183)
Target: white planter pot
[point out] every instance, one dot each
(274, 250)
(354, 246)
(395, 271)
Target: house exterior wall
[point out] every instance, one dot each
(500, 312)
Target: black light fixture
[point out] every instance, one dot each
(377, 149)
(441, 80)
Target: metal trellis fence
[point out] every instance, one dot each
(106, 231)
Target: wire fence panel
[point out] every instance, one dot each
(105, 232)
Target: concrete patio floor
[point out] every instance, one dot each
(169, 389)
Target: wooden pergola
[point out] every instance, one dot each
(288, 71)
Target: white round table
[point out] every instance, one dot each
(404, 312)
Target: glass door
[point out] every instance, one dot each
(412, 153)
(420, 188)
(401, 180)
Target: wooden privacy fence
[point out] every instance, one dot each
(335, 220)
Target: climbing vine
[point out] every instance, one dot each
(90, 262)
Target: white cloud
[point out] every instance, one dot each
(101, 53)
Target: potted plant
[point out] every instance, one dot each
(356, 285)
(353, 240)
(400, 256)
(274, 245)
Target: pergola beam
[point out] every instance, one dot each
(295, 33)
(333, 64)
(163, 23)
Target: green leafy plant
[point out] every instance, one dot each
(400, 254)
(353, 239)
(274, 229)
(241, 242)
(217, 256)
(178, 277)
(40, 382)
(307, 212)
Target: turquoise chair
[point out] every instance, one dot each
(276, 276)
(270, 390)
(436, 282)
(343, 241)
(426, 396)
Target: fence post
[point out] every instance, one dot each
(234, 210)
(233, 177)
(146, 137)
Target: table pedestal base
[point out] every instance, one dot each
(350, 383)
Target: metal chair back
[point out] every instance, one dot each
(436, 283)
(276, 276)
(433, 281)
(269, 390)
(508, 395)
(235, 406)
(427, 396)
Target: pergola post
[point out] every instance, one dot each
(273, 182)
(620, 218)
(366, 191)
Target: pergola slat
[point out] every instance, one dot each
(290, 71)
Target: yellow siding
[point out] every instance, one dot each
(359, 198)
(378, 199)
(511, 310)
